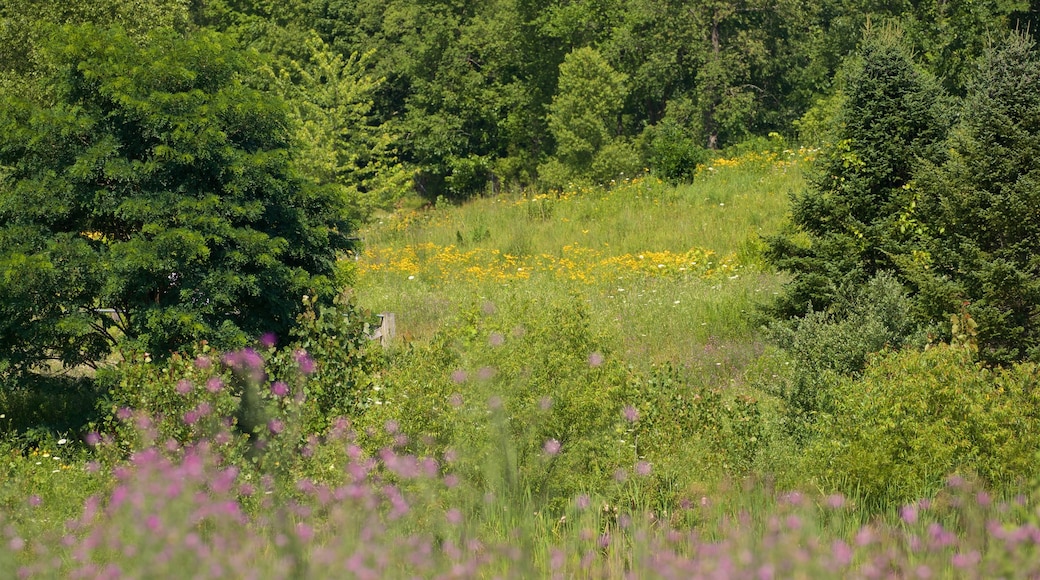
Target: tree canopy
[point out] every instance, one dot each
(149, 195)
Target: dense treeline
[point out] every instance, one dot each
(469, 96)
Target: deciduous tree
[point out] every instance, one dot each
(151, 197)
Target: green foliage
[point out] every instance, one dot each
(183, 398)
(583, 118)
(891, 116)
(41, 408)
(467, 86)
(915, 417)
(337, 335)
(323, 374)
(29, 23)
(827, 346)
(674, 155)
(978, 210)
(684, 420)
(501, 382)
(151, 198)
(330, 100)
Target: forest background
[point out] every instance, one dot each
(671, 258)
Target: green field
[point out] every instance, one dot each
(664, 270)
(578, 386)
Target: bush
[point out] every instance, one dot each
(915, 417)
(825, 346)
(681, 422)
(529, 400)
(673, 152)
(323, 374)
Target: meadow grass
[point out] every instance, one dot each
(576, 392)
(664, 269)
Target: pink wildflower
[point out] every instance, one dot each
(551, 447)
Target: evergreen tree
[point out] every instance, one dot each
(892, 115)
(981, 208)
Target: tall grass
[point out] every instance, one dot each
(574, 395)
(665, 269)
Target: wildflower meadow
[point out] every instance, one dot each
(580, 386)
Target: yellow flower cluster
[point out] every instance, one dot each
(778, 160)
(574, 262)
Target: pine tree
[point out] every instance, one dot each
(981, 208)
(852, 214)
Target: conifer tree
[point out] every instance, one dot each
(892, 116)
(981, 208)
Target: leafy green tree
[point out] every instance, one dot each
(980, 210)
(950, 36)
(583, 115)
(330, 98)
(724, 92)
(151, 197)
(854, 215)
(26, 23)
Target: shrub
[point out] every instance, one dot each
(825, 346)
(528, 389)
(673, 153)
(915, 417)
(692, 431)
(306, 384)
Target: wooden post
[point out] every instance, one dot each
(387, 329)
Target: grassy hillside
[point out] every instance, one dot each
(664, 270)
(578, 389)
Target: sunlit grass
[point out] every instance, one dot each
(663, 268)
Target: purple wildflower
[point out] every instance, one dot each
(841, 552)
(214, 384)
(551, 447)
(630, 413)
(305, 362)
(909, 513)
(486, 373)
(454, 516)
